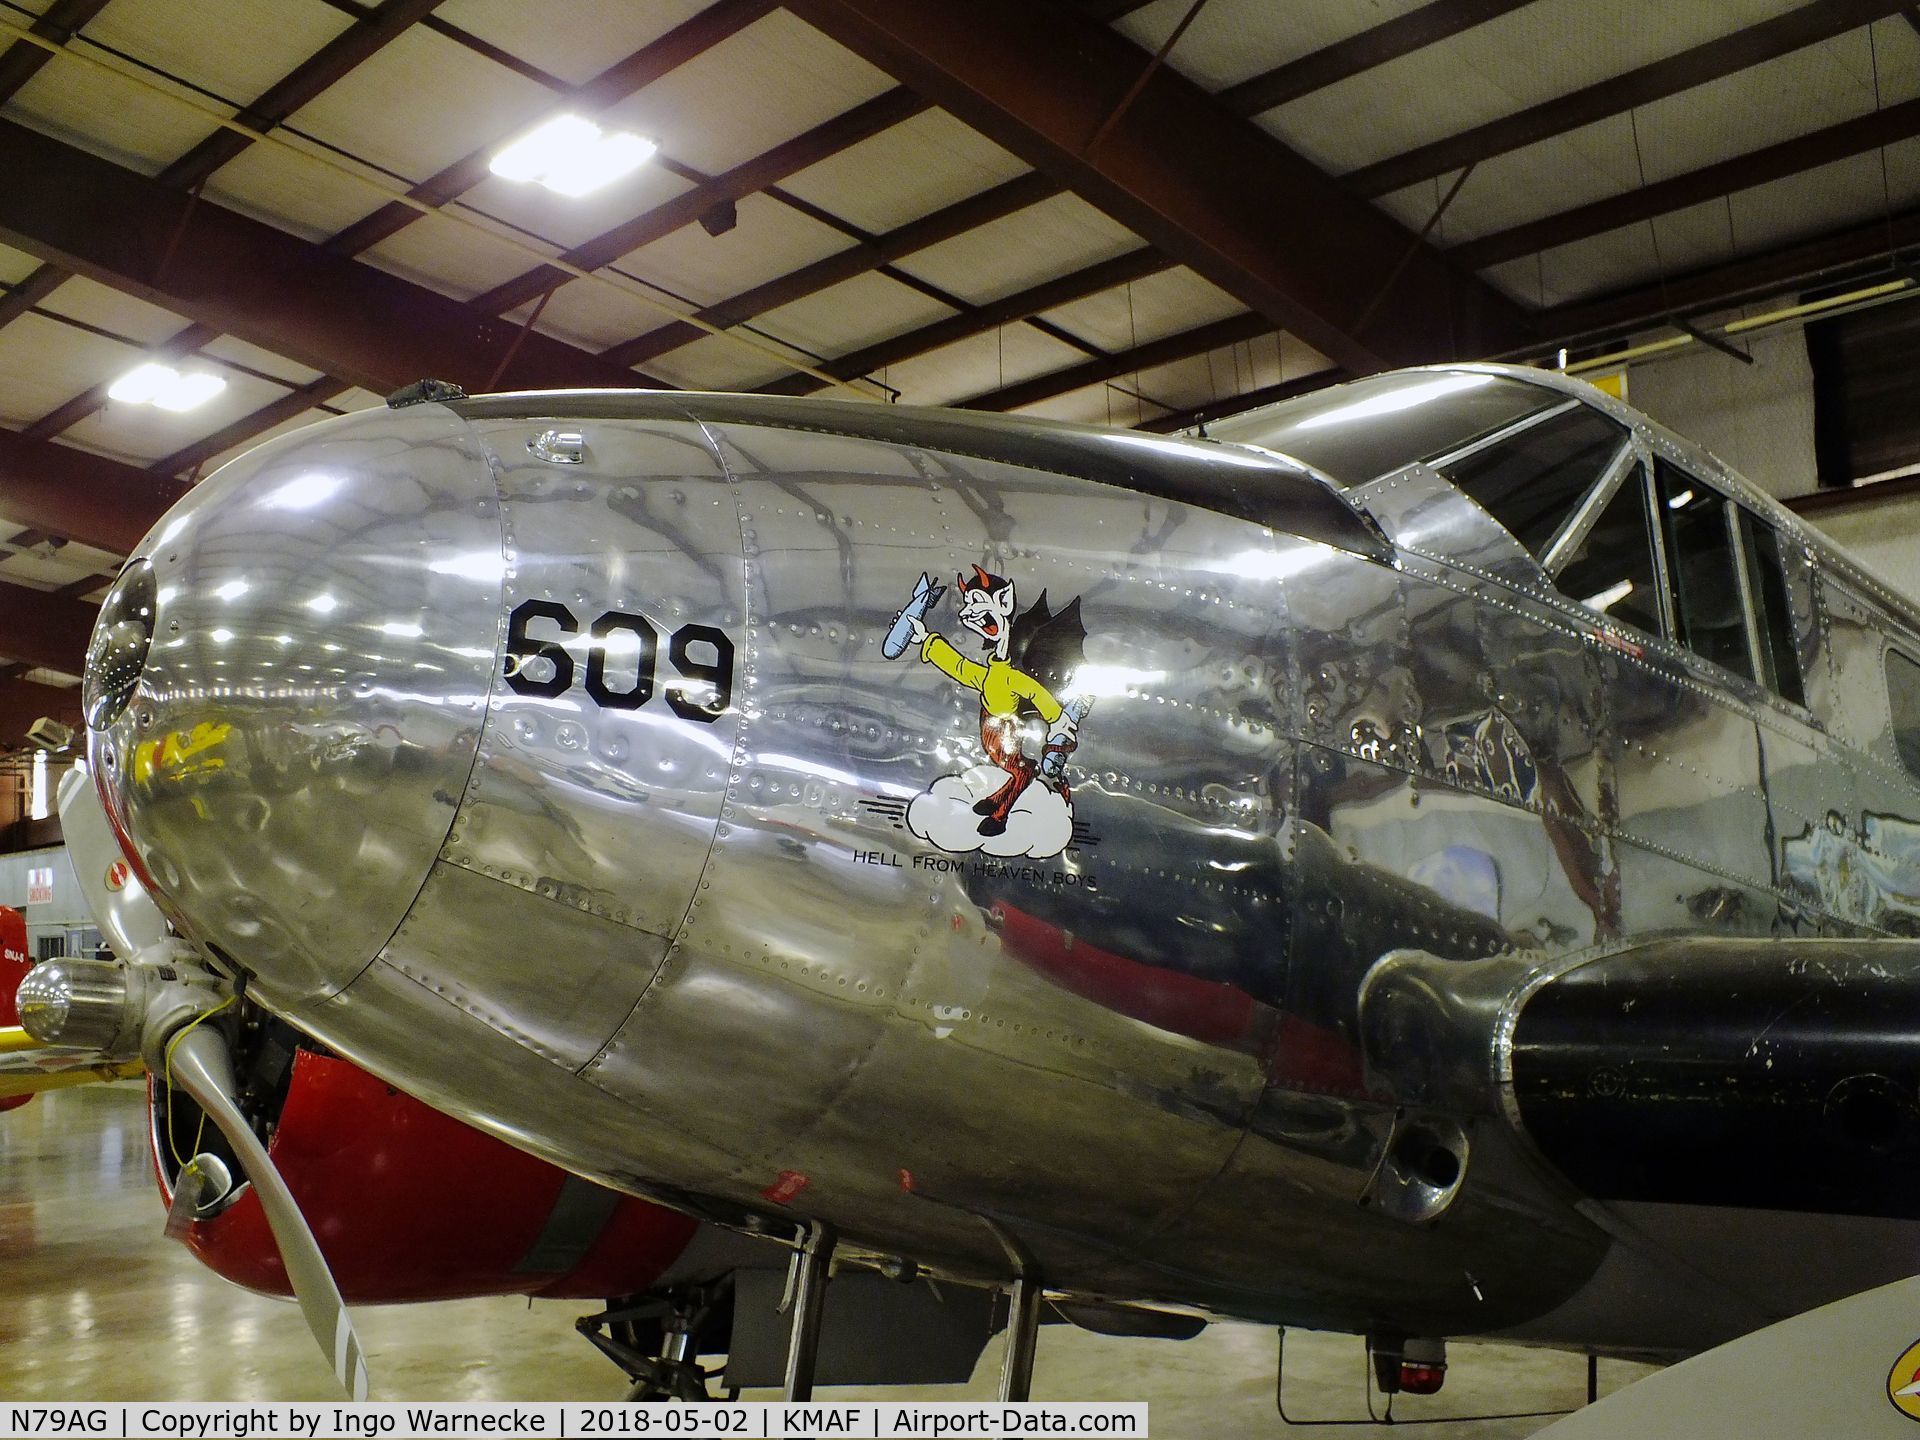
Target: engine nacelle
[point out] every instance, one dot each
(407, 1203)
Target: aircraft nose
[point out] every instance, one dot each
(286, 687)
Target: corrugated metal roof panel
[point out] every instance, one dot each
(770, 239)
(570, 220)
(1186, 384)
(227, 347)
(291, 192)
(770, 82)
(714, 363)
(44, 569)
(909, 170)
(420, 103)
(1530, 55)
(979, 363)
(591, 316)
(453, 259)
(852, 315)
(128, 124)
(1158, 305)
(127, 317)
(1035, 244)
(16, 265)
(1793, 95)
(1833, 196)
(1234, 40)
(574, 41)
(236, 48)
(44, 364)
(41, 675)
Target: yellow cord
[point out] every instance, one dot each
(167, 1079)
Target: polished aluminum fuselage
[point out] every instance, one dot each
(690, 948)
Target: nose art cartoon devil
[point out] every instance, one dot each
(1029, 661)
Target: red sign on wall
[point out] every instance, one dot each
(40, 885)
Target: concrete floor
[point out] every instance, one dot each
(98, 1306)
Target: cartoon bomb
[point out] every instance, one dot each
(1029, 658)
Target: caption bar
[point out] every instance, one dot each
(922, 1420)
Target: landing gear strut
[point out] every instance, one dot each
(655, 1339)
(807, 1275)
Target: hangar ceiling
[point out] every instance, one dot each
(1102, 210)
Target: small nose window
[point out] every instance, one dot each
(120, 642)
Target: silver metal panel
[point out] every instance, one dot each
(923, 969)
(1852, 696)
(1686, 765)
(394, 1026)
(325, 643)
(561, 998)
(1421, 511)
(1663, 891)
(1347, 643)
(644, 525)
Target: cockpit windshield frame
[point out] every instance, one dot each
(1375, 426)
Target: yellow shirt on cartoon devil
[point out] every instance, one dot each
(1001, 687)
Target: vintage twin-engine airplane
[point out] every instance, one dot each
(1430, 858)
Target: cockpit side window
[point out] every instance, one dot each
(1709, 601)
(1612, 571)
(1903, 696)
(1778, 651)
(1533, 480)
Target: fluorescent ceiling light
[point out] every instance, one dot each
(162, 385)
(572, 156)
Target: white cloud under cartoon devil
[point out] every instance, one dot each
(1018, 803)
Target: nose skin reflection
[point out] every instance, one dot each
(122, 640)
(303, 731)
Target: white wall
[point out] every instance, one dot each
(1758, 418)
(68, 910)
(1883, 535)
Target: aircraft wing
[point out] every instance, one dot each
(1844, 1369)
(27, 1067)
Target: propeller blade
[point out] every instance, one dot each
(200, 1065)
(121, 907)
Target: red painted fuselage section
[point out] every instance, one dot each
(409, 1204)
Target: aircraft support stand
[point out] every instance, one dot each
(1023, 1333)
(807, 1294)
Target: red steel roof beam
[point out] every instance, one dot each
(1741, 172)
(809, 148)
(684, 42)
(44, 629)
(1180, 169)
(24, 701)
(1022, 305)
(88, 498)
(1164, 351)
(1711, 60)
(248, 279)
